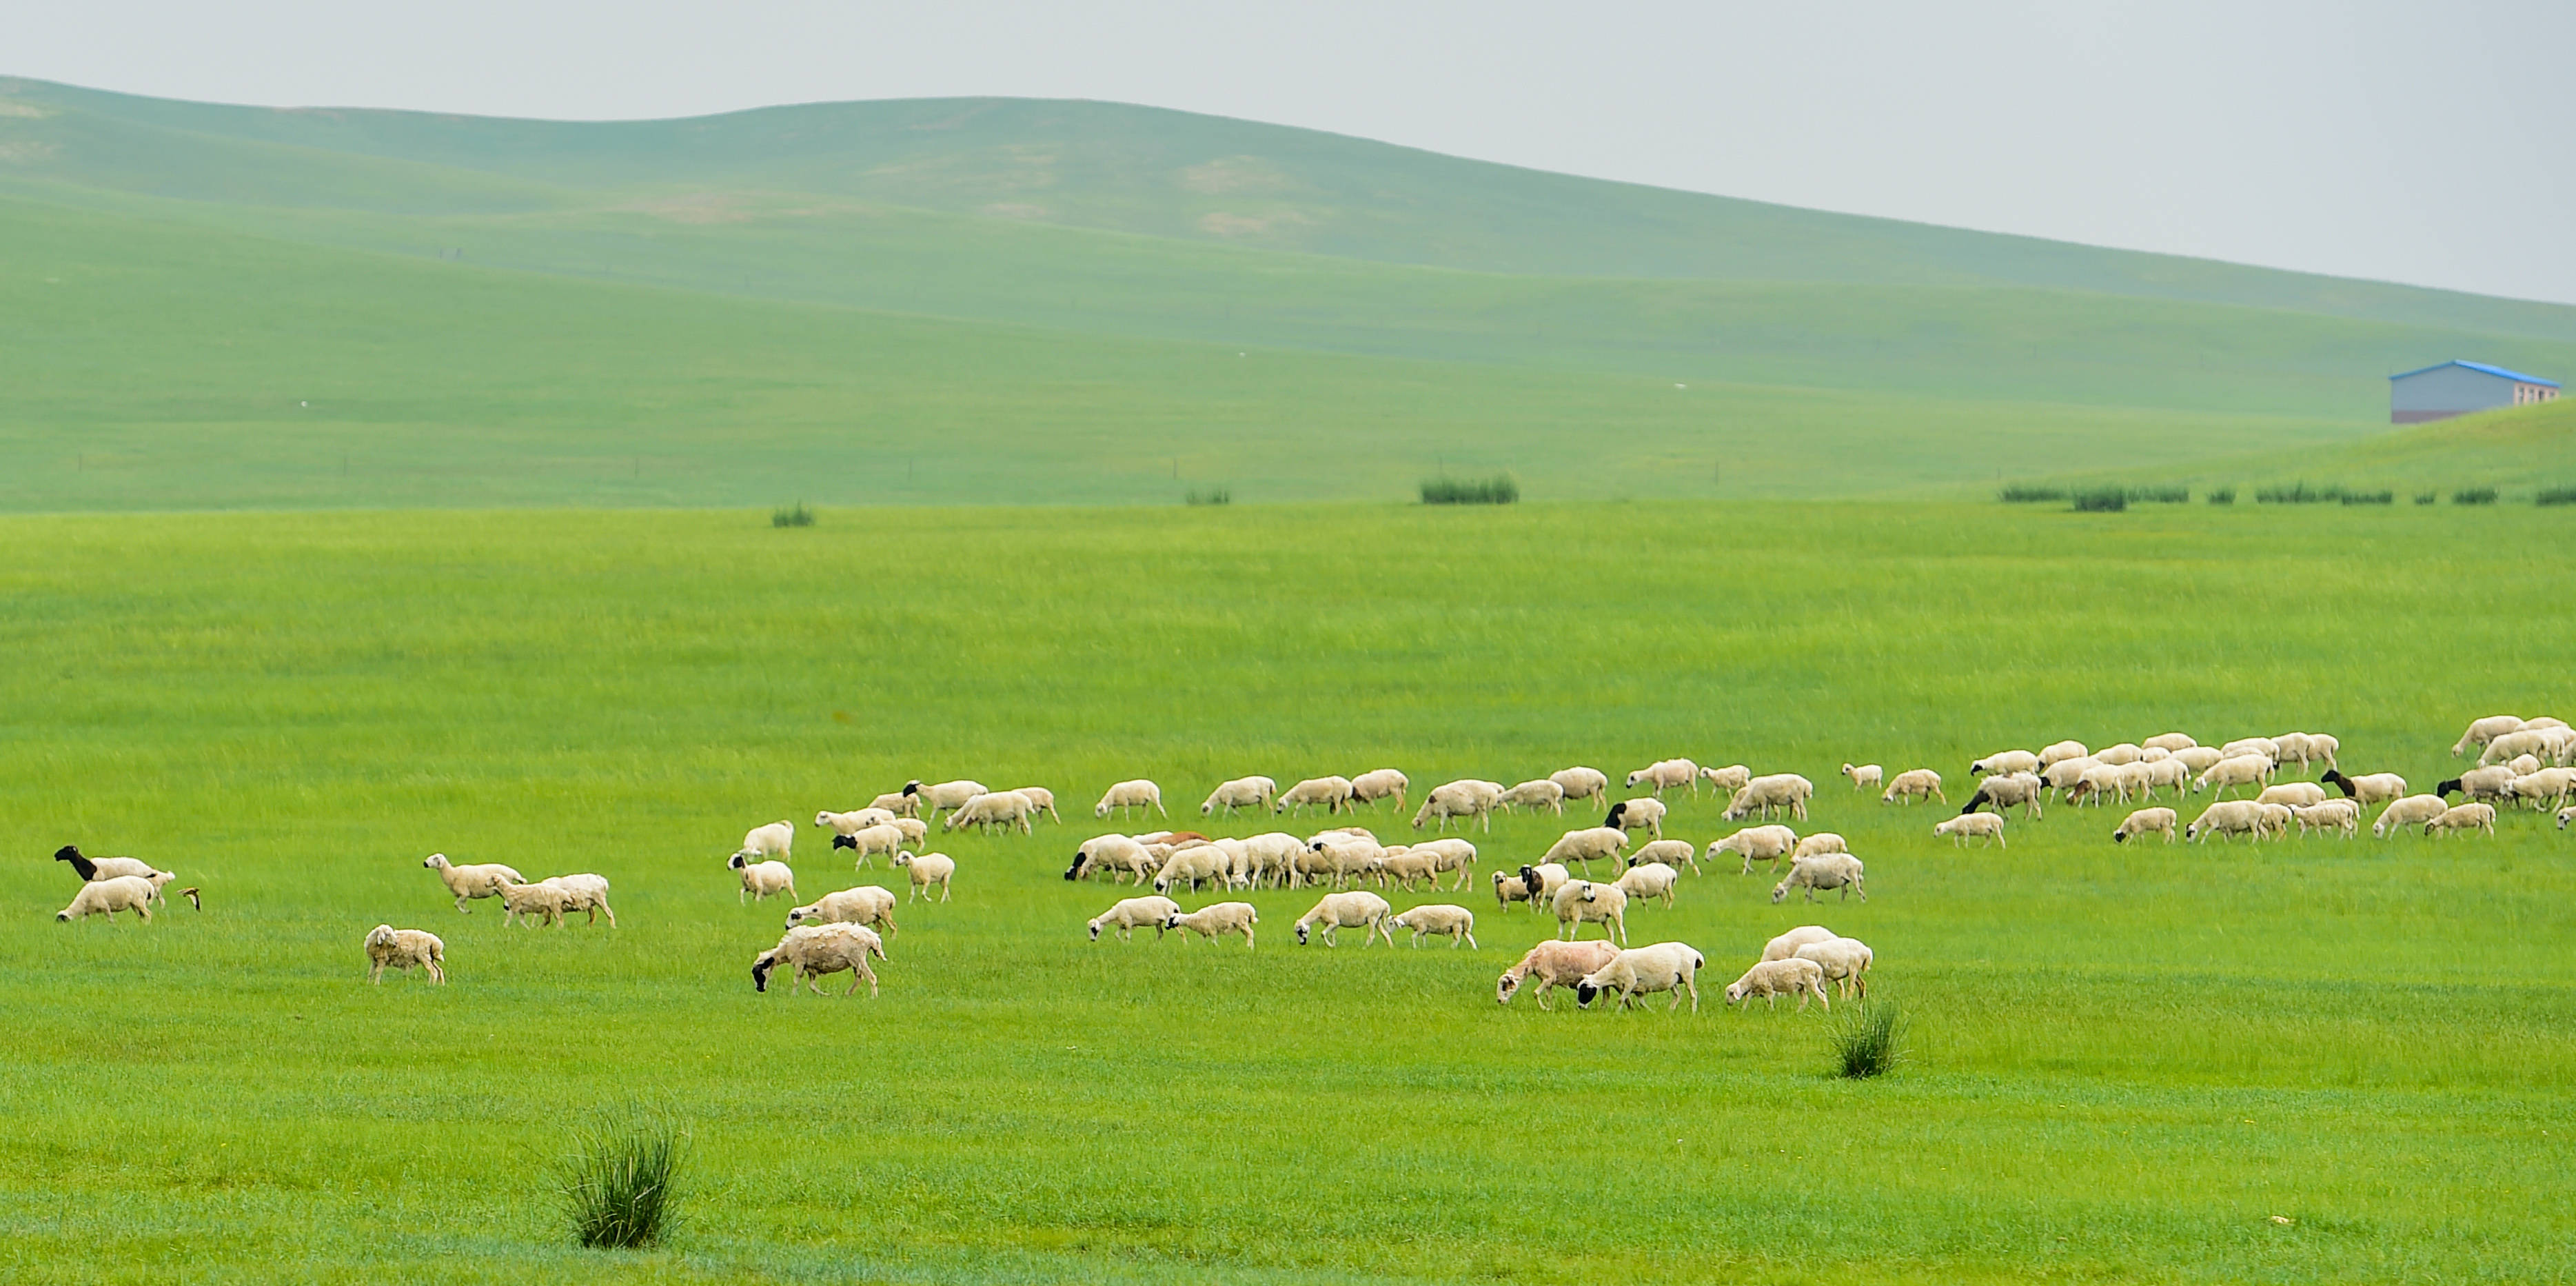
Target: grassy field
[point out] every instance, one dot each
(2127, 1062)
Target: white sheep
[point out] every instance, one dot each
(2235, 770)
(1727, 780)
(1666, 774)
(853, 821)
(1215, 920)
(1466, 797)
(868, 904)
(2167, 773)
(2099, 780)
(1534, 795)
(1865, 776)
(2067, 774)
(1823, 871)
(2563, 815)
(2332, 815)
(1641, 814)
(1583, 902)
(1580, 782)
(1675, 853)
(2523, 765)
(2551, 784)
(481, 880)
(2005, 763)
(2544, 721)
(1139, 794)
(1649, 880)
(1119, 853)
(2369, 788)
(2004, 791)
(1041, 800)
(2059, 752)
(110, 895)
(772, 840)
(2482, 731)
(2127, 752)
(1769, 793)
(2147, 821)
(1846, 962)
(2174, 742)
(1405, 867)
(2535, 742)
(1191, 865)
(927, 869)
(2295, 794)
(1756, 844)
(1554, 963)
(2410, 811)
(913, 829)
(589, 893)
(2487, 783)
(1131, 914)
(1913, 784)
(2267, 747)
(1341, 857)
(949, 794)
(530, 903)
(1358, 909)
(2308, 748)
(1773, 979)
(1820, 842)
(108, 868)
(1513, 886)
(1380, 783)
(1665, 966)
(868, 841)
(818, 949)
(903, 803)
(2273, 820)
(2198, 758)
(1580, 847)
(2463, 817)
(1242, 792)
(1787, 944)
(1332, 794)
(1454, 854)
(763, 879)
(2227, 818)
(405, 949)
(1437, 919)
(1986, 826)
(1003, 808)
(1268, 855)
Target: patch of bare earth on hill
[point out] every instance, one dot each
(737, 207)
(1229, 175)
(23, 111)
(23, 151)
(1225, 224)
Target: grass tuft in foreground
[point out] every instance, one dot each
(2106, 500)
(2555, 496)
(1868, 1040)
(2222, 495)
(2473, 496)
(2022, 493)
(621, 1189)
(800, 516)
(1497, 490)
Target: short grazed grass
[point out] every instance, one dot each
(2122, 1062)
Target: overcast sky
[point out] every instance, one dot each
(2425, 143)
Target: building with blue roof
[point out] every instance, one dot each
(2459, 388)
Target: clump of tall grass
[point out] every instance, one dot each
(2222, 495)
(2474, 496)
(1211, 496)
(1868, 1039)
(2297, 493)
(2426, 497)
(2380, 497)
(2160, 495)
(2023, 493)
(800, 516)
(2104, 500)
(2555, 496)
(1497, 490)
(620, 1188)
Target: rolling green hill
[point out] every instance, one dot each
(2519, 452)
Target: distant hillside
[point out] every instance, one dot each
(2518, 451)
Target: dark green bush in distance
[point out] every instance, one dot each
(620, 1187)
(2107, 500)
(2160, 495)
(1868, 1040)
(2474, 496)
(2024, 494)
(2297, 493)
(2555, 496)
(2222, 495)
(800, 516)
(1496, 490)
(1213, 496)
(2366, 497)
(2426, 497)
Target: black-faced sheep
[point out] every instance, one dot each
(1554, 963)
(1665, 966)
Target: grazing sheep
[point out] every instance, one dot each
(405, 949)
(2198, 758)
(2123, 753)
(1913, 784)
(2135, 778)
(763, 879)
(2552, 784)
(1846, 962)
(1768, 793)
(108, 868)
(2267, 747)
(1536, 794)
(1773, 979)
(2482, 731)
(1267, 855)
(1041, 800)
(1986, 826)
(1453, 854)
(2060, 752)
(2067, 774)
(2163, 774)
(1466, 797)
(2153, 754)
(1582, 901)
(819, 949)
(1554, 963)
(2544, 721)
(2410, 811)
(1359, 909)
(2523, 765)
(1139, 794)
(1005, 808)
(1644, 814)
(1544, 880)
(1120, 853)
(903, 803)
(2147, 821)
(868, 841)
(2227, 818)
(1191, 865)
(1665, 966)
(529, 903)
(1404, 866)
(1865, 776)
(1436, 919)
(2273, 820)
(1757, 844)
(868, 904)
(1341, 857)
(2296, 794)
(2488, 783)
(1333, 794)
(1513, 886)
(2235, 770)
(853, 821)
(2004, 792)
(1380, 783)
(2463, 817)
(1787, 944)
(1727, 780)
(949, 794)
(1666, 774)
(2535, 742)
(1131, 914)
(1580, 782)
(2004, 764)
(1215, 920)
(1823, 871)
(2308, 748)
(1649, 880)
(927, 869)
(1820, 842)
(1242, 792)
(108, 896)
(2175, 742)
(2369, 788)
(588, 893)
(468, 882)
(2332, 815)
(1671, 852)
(772, 840)
(2563, 815)
(2099, 780)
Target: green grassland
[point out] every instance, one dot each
(2519, 452)
(2127, 1061)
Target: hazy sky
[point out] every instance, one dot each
(2427, 143)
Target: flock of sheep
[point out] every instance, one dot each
(2520, 761)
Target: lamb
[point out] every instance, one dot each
(2198, 758)
(106, 868)
(1824, 871)
(2488, 783)
(2174, 742)
(2332, 815)
(1534, 795)
(1582, 901)
(1757, 844)
(772, 840)
(2004, 764)
(950, 794)
(1986, 826)
(2297, 794)
(1671, 852)
(2060, 752)
(1555, 964)
(1764, 794)
(1666, 774)
(1242, 792)
(1333, 794)
(529, 903)
(1773, 979)
(1114, 853)
(1820, 842)
(903, 803)
(2523, 765)
(871, 840)
(482, 880)
(2369, 788)
(763, 880)
(1729, 779)
(2003, 792)
(587, 893)
(2227, 817)
(1642, 814)
(927, 869)
(2272, 819)
(1513, 886)
(1466, 797)
(1041, 800)
(1580, 782)
(2463, 817)
(2482, 731)
(1215, 920)
(2552, 784)
(1191, 865)
(1380, 783)
(1913, 784)
(2410, 811)
(913, 829)
(995, 808)
(1436, 919)
(819, 949)
(1139, 794)
(1131, 914)
(1404, 866)
(868, 904)
(2147, 821)
(110, 895)
(1454, 854)
(1665, 966)
(2235, 770)
(1359, 909)
(1787, 944)
(405, 949)
(1649, 880)
(1846, 962)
